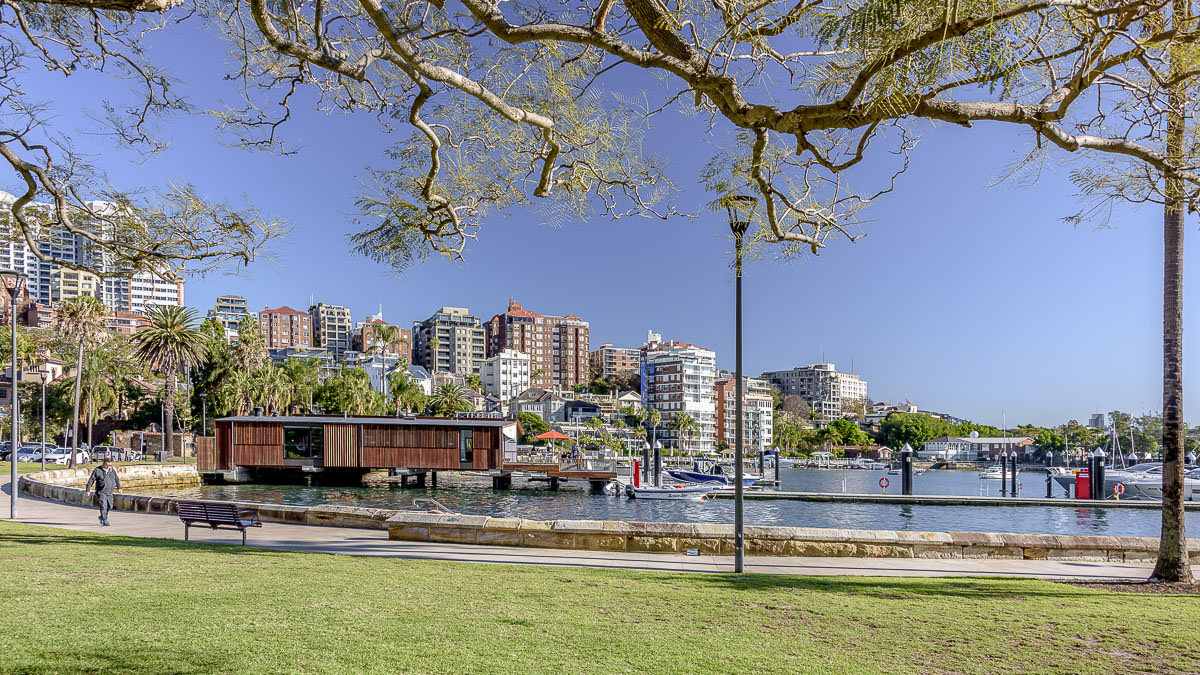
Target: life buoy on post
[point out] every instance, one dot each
(884, 482)
(1118, 490)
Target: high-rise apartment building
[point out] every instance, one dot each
(758, 416)
(450, 341)
(366, 339)
(678, 378)
(607, 360)
(506, 375)
(332, 328)
(49, 282)
(557, 345)
(228, 311)
(285, 327)
(827, 391)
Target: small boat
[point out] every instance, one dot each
(893, 472)
(1151, 487)
(679, 492)
(708, 471)
(992, 473)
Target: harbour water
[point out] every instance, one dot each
(537, 502)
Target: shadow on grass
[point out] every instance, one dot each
(123, 541)
(114, 658)
(903, 588)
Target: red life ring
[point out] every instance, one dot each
(884, 482)
(1119, 489)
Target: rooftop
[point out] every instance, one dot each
(384, 421)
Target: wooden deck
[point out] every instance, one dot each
(564, 470)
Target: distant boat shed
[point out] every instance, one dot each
(317, 442)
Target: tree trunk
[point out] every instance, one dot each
(75, 412)
(1173, 562)
(168, 410)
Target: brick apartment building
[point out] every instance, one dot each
(607, 360)
(557, 345)
(365, 340)
(757, 413)
(285, 327)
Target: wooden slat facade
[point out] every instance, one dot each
(379, 436)
(206, 454)
(341, 445)
(410, 458)
(258, 444)
(350, 444)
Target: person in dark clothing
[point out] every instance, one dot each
(106, 481)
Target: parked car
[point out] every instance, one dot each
(4, 450)
(110, 451)
(30, 452)
(63, 456)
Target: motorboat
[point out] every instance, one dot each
(993, 473)
(690, 492)
(1151, 488)
(705, 470)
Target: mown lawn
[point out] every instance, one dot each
(75, 602)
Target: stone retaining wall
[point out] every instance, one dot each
(607, 535)
(710, 539)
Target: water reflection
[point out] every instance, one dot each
(543, 504)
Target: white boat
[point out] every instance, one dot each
(992, 473)
(1152, 487)
(681, 492)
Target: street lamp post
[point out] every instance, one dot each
(44, 374)
(14, 289)
(740, 209)
(204, 413)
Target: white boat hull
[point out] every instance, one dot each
(689, 492)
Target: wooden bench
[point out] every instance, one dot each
(224, 516)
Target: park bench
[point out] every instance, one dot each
(224, 516)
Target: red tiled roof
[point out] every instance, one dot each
(282, 310)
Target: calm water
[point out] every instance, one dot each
(542, 504)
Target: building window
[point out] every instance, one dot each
(306, 442)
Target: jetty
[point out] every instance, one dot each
(947, 500)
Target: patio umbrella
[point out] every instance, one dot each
(553, 435)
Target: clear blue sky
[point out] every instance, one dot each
(964, 298)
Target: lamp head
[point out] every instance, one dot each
(741, 210)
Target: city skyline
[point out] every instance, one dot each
(964, 297)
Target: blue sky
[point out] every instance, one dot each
(964, 298)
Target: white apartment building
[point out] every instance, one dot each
(450, 341)
(506, 374)
(332, 328)
(49, 282)
(229, 310)
(825, 389)
(678, 377)
(758, 413)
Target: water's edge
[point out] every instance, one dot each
(706, 538)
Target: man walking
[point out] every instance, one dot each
(105, 478)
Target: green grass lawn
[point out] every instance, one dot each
(32, 467)
(72, 601)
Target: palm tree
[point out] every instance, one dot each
(170, 344)
(236, 392)
(684, 425)
(405, 393)
(1172, 563)
(251, 350)
(81, 321)
(653, 419)
(303, 377)
(448, 400)
(98, 390)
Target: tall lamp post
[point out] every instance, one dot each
(14, 289)
(740, 209)
(44, 373)
(204, 413)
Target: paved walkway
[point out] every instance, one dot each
(348, 541)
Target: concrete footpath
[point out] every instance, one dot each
(348, 541)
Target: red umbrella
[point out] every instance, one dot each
(553, 436)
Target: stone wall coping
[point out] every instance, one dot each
(65, 485)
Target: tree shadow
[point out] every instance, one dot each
(123, 541)
(904, 588)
